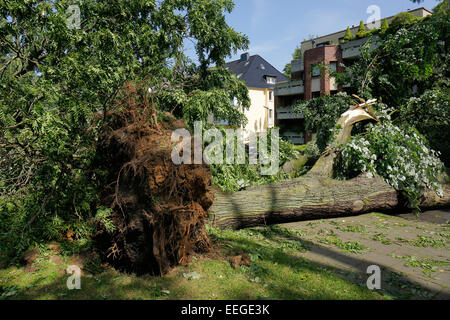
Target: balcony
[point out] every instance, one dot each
(297, 65)
(351, 50)
(289, 88)
(284, 113)
(294, 137)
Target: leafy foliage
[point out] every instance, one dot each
(401, 156)
(321, 115)
(235, 177)
(348, 35)
(403, 19)
(361, 30)
(430, 114)
(58, 83)
(409, 70)
(384, 26)
(288, 67)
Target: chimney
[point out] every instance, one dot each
(245, 57)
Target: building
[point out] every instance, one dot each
(260, 78)
(306, 81)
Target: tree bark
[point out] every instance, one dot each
(311, 197)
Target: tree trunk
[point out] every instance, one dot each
(311, 197)
(316, 195)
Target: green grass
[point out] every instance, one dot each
(277, 271)
(405, 289)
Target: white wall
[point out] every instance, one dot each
(257, 115)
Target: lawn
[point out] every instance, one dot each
(277, 271)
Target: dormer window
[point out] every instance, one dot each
(271, 80)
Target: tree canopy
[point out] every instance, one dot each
(58, 82)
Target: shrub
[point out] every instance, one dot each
(384, 26)
(361, 31)
(403, 19)
(348, 36)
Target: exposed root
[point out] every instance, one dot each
(159, 208)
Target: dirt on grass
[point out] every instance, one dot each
(159, 208)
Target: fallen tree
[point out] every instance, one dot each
(317, 195)
(311, 197)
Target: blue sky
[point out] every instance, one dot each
(276, 27)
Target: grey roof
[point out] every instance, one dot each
(254, 70)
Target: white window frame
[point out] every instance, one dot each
(271, 80)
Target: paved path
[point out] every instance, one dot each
(413, 253)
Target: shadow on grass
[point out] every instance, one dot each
(399, 285)
(275, 273)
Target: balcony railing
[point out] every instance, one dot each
(294, 137)
(284, 113)
(352, 49)
(289, 88)
(297, 65)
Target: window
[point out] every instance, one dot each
(315, 71)
(270, 95)
(270, 80)
(270, 114)
(333, 66)
(323, 44)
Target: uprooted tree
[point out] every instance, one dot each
(82, 155)
(61, 84)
